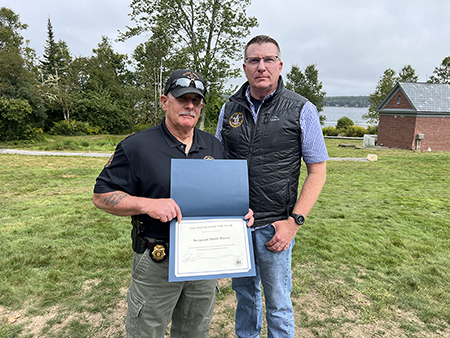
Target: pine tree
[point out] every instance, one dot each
(53, 69)
(308, 85)
(49, 65)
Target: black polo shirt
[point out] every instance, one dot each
(140, 166)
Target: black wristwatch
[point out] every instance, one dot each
(299, 219)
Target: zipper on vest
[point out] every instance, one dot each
(265, 120)
(253, 132)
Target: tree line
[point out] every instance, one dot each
(387, 81)
(346, 101)
(109, 92)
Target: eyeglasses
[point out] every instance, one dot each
(185, 82)
(268, 60)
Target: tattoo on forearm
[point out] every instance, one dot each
(115, 199)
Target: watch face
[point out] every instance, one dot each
(299, 219)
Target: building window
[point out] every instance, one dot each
(398, 99)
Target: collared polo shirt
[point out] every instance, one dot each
(140, 166)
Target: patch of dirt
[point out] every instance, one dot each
(107, 325)
(223, 319)
(341, 321)
(313, 316)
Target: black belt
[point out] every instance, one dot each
(158, 249)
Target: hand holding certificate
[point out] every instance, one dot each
(212, 240)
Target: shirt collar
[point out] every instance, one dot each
(252, 106)
(247, 94)
(173, 142)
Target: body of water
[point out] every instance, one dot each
(333, 114)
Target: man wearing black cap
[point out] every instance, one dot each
(136, 182)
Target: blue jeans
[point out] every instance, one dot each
(273, 270)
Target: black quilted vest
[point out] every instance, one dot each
(271, 147)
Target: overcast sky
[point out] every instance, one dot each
(352, 42)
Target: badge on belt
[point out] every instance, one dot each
(158, 251)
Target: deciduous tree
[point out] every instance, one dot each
(384, 86)
(407, 74)
(441, 73)
(209, 32)
(10, 26)
(17, 84)
(153, 59)
(102, 82)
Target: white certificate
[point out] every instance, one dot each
(211, 248)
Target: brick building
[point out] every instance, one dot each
(415, 116)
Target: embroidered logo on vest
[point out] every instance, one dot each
(236, 120)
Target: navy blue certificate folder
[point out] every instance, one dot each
(212, 241)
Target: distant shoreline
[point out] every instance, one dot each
(346, 101)
(347, 106)
(333, 114)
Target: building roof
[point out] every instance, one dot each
(423, 96)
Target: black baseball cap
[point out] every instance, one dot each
(185, 81)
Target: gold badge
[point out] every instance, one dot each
(158, 253)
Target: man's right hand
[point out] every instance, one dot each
(120, 203)
(164, 209)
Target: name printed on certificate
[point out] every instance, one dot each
(212, 246)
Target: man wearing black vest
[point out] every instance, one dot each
(273, 128)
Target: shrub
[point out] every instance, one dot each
(15, 120)
(330, 131)
(344, 123)
(74, 128)
(35, 134)
(372, 130)
(101, 109)
(355, 131)
(63, 145)
(70, 144)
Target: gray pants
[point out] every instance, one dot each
(152, 301)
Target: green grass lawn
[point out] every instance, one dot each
(372, 260)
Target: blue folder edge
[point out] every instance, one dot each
(226, 182)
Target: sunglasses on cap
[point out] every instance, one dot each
(185, 82)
